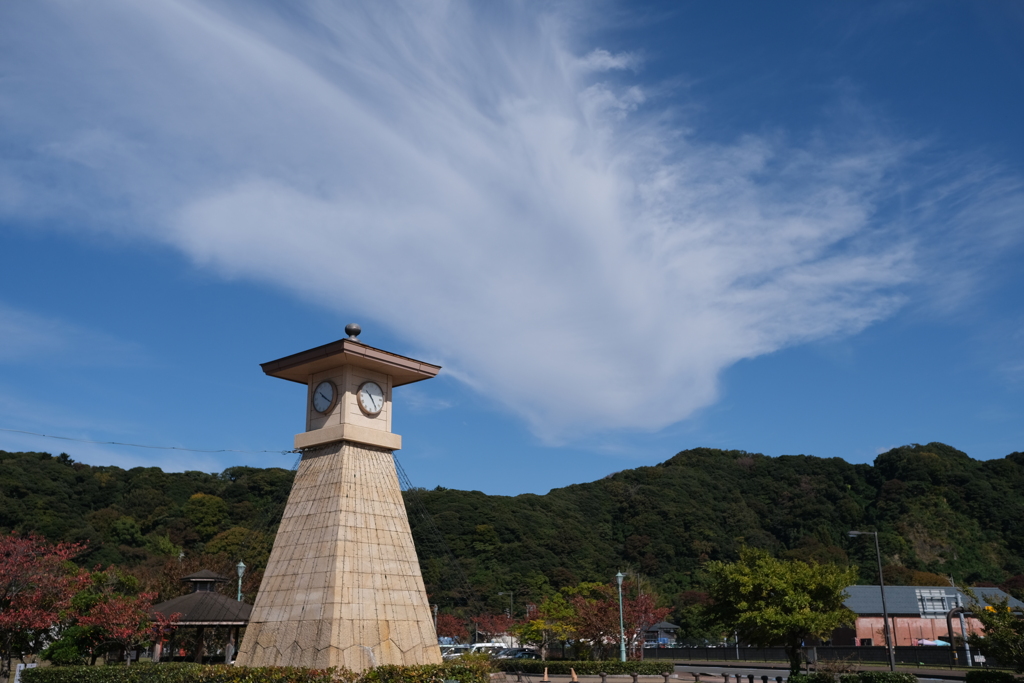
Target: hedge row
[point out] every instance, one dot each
(463, 672)
(989, 676)
(533, 666)
(859, 677)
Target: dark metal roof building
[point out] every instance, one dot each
(918, 601)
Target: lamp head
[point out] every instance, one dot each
(240, 567)
(619, 577)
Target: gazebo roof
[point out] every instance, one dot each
(205, 575)
(206, 608)
(663, 626)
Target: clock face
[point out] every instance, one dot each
(323, 396)
(371, 398)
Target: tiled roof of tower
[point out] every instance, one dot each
(299, 366)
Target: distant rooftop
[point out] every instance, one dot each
(663, 626)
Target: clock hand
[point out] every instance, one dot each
(321, 394)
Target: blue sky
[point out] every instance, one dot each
(624, 229)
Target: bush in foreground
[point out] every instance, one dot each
(860, 677)
(989, 676)
(196, 673)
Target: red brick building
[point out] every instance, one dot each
(916, 613)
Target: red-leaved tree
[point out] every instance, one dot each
(493, 624)
(596, 618)
(640, 614)
(121, 620)
(450, 626)
(37, 583)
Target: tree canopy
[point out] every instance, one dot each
(938, 513)
(1003, 639)
(771, 602)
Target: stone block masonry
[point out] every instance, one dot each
(342, 586)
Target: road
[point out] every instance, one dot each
(718, 671)
(710, 672)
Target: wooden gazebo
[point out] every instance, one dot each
(204, 607)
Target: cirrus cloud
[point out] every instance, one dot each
(475, 178)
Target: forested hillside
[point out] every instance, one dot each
(940, 513)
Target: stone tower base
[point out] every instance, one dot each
(343, 584)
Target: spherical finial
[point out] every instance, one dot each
(353, 330)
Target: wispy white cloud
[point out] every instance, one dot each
(26, 337)
(459, 173)
(420, 401)
(59, 417)
(123, 457)
(602, 60)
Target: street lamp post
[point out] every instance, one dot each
(240, 568)
(889, 644)
(622, 629)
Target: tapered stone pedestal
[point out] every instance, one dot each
(343, 584)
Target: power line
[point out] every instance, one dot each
(140, 445)
(414, 500)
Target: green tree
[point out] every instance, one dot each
(126, 531)
(772, 602)
(691, 616)
(110, 614)
(553, 623)
(1004, 632)
(208, 514)
(240, 543)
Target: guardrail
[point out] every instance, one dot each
(921, 655)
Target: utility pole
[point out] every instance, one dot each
(963, 630)
(622, 629)
(889, 644)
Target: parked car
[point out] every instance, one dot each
(455, 651)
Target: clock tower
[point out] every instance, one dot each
(343, 586)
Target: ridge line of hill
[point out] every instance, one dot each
(939, 512)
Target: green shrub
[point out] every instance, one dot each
(533, 666)
(817, 677)
(989, 676)
(69, 650)
(197, 673)
(861, 677)
(464, 672)
(879, 677)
